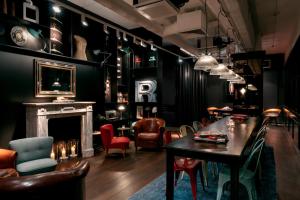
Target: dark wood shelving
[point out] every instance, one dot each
(25, 51)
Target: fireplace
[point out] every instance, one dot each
(38, 115)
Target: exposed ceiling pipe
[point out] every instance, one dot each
(125, 10)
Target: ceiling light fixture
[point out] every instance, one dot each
(206, 62)
(83, 21)
(153, 48)
(220, 70)
(56, 9)
(125, 37)
(118, 35)
(143, 44)
(105, 29)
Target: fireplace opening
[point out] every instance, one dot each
(65, 129)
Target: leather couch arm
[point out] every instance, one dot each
(67, 183)
(7, 158)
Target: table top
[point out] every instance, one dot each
(238, 137)
(123, 128)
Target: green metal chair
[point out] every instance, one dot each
(247, 175)
(186, 130)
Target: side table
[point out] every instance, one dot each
(122, 129)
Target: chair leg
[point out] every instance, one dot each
(205, 172)
(193, 181)
(201, 177)
(106, 150)
(177, 173)
(220, 188)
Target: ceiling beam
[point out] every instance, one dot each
(129, 12)
(239, 16)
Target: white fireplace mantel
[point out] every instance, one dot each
(38, 114)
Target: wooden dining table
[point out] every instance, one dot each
(239, 135)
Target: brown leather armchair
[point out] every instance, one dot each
(149, 133)
(8, 163)
(64, 183)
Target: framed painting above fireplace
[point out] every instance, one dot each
(54, 79)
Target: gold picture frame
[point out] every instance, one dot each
(54, 79)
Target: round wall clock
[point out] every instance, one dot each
(18, 35)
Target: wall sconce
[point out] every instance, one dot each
(118, 35)
(180, 60)
(83, 21)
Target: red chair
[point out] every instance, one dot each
(111, 142)
(8, 163)
(190, 166)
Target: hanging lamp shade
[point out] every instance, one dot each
(220, 70)
(206, 63)
(229, 75)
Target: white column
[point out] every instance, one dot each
(87, 133)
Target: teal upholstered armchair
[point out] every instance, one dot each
(33, 155)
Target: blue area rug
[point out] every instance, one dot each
(157, 188)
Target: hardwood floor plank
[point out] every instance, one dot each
(115, 178)
(287, 161)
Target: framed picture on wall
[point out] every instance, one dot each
(139, 112)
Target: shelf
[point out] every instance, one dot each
(29, 52)
(18, 22)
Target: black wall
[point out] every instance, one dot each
(216, 92)
(17, 82)
(270, 89)
(292, 79)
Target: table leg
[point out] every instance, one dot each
(170, 176)
(234, 175)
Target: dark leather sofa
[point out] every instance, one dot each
(67, 182)
(149, 133)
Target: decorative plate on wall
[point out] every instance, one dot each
(19, 35)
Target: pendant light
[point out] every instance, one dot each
(206, 62)
(221, 69)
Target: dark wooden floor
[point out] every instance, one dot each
(116, 178)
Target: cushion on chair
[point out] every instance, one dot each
(33, 155)
(148, 136)
(36, 166)
(120, 142)
(32, 148)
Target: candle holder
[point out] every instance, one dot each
(53, 152)
(62, 150)
(73, 148)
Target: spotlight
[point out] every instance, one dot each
(153, 48)
(125, 37)
(56, 9)
(83, 21)
(143, 44)
(118, 35)
(105, 29)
